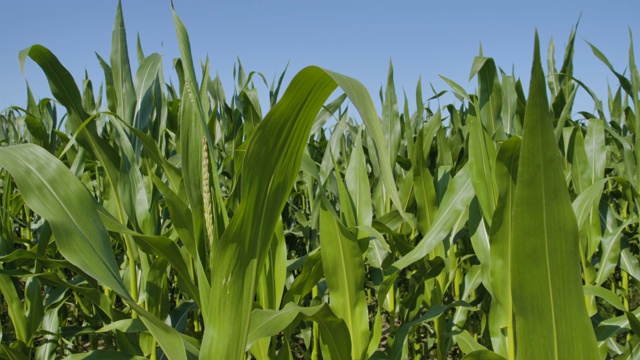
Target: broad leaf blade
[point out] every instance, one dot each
(551, 317)
(52, 191)
(267, 178)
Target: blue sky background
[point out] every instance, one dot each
(356, 38)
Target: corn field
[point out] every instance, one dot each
(156, 220)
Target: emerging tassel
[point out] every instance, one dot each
(206, 194)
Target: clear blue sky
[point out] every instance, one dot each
(356, 38)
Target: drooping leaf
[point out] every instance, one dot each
(52, 191)
(455, 201)
(333, 330)
(267, 177)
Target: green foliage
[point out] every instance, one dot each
(176, 222)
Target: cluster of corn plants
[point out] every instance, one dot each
(169, 221)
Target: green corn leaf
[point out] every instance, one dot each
(633, 322)
(550, 313)
(624, 82)
(125, 325)
(459, 90)
(66, 92)
(146, 76)
(311, 274)
(580, 170)
(489, 94)
(14, 308)
(347, 209)
(121, 69)
(610, 251)
(454, 203)
(482, 162)
(467, 343)
(79, 233)
(360, 97)
(272, 277)
(608, 295)
(267, 177)
(595, 146)
(501, 233)
(424, 190)
(565, 114)
(333, 330)
(270, 285)
(357, 183)
(586, 201)
(193, 128)
(192, 125)
(110, 90)
(52, 191)
(391, 119)
(156, 289)
(629, 263)
(482, 355)
(509, 103)
(157, 245)
(401, 336)
(50, 325)
(344, 271)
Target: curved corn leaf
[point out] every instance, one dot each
(608, 295)
(267, 177)
(332, 330)
(309, 277)
(611, 251)
(455, 201)
(52, 191)
(158, 245)
(64, 89)
(482, 355)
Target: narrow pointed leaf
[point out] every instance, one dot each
(424, 189)
(121, 69)
(482, 161)
(357, 183)
(344, 272)
(501, 233)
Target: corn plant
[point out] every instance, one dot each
(152, 219)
